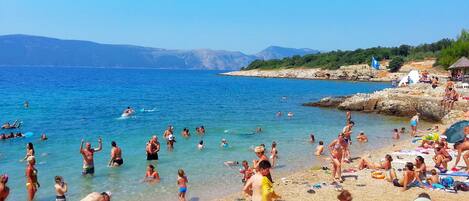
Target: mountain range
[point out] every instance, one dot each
(26, 50)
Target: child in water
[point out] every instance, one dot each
(224, 143)
(396, 134)
(182, 184)
(151, 175)
(200, 146)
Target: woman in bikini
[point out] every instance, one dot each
(31, 178)
(151, 175)
(336, 148)
(273, 153)
(29, 150)
(420, 169)
(385, 165)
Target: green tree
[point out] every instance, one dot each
(396, 64)
(456, 50)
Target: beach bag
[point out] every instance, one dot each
(447, 181)
(461, 186)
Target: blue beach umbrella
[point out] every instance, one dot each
(455, 132)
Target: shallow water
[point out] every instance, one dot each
(74, 103)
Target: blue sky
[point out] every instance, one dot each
(245, 25)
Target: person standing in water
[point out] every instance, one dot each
(152, 175)
(347, 132)
(88, 156)
(274, 153)
(32, 183)
(29, 150)
(319, 148)
(152, 149)
(348, 116)
(168, 135)
(413, 124)
(60, 189)
(182, 185)
(116, 155)
(4, 190)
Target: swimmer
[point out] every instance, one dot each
(201, 145)
(290, 114)
(151, 175)
(224, 143)
(362, 137)
(182, 185)
(403, 131)
(200, 130)
(26, 104)
(396, 134)
(4, 189)
(43, 137)
(152, 148)
(60, 189)
(128, 112)
(278, 114)
(258, 130)
(170, 139)
(95, 196)
(311, 138)
(319, 148)
(116, 156)
(88, 156)
(231, 163)
(274, 153)
(29, 151)
(185, 132)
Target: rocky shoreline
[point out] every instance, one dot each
(405, 102)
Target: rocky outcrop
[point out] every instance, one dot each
(404, 102)
(328, 102)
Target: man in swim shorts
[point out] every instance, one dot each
(116, 155)
(88, 156)
(153, 147)
(461, 147)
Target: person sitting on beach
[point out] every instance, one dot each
(224, 143)
(4, 189)
(413, 124)
(396, 134)
(185, 132)
(319, 149)
(408, 178)
(246, 171)
(182, 185)
(434, 178)
(29, 151)
(152, 148)
(88, 156)
(116, 155)
(385, 165)
(449, 98)
(336, 148)
(435, 82)
(95, 196)
(311, 138)
(420, 169)
(201, 145)
(461, 147)
(362, 137)
(151, 175)
(168, 135)
(60, 189)
(274, 153)
(441, 158)
(43, 137)
(345, 195)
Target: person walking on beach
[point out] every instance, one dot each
(253, 187)
(413, 124)
(152, 149)
(336, 148)
(4, 190)
(461, 148)
(32, 183)
(60, 189)
(182, 185)
(88, 156)
(116, 156)
(274, 153)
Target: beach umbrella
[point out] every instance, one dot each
(455, 132)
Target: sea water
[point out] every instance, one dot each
(70, 104)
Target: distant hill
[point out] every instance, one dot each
(25, 50)
(276, 52)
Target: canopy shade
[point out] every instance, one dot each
(463, 62)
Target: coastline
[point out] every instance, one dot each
(294, 185)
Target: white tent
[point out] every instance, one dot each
(413, 76)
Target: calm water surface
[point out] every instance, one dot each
(69, 104)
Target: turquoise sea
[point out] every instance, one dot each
(69, 104)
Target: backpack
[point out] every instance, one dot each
(447, 181)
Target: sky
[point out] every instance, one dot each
(239, 25)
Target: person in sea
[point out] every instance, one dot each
(116, 155)
(200, 130)
(4, 189)
(168, 136)
(311, 138)
(26, 104)
(396, 135)
(182, 185)
(402, 131)
(247, 171)
(29, 151)
(278, 114)
(185, 133)
(88, 156)
(32, 183)
(201, 145)
(362, 137)
(274, 154)
(152, 148)
(347, 131)
(385, 165)
(43, 137)
(224, 143)
(461, 147)
(151, 176)
(60, 189)
(290, 114)
(96, 196)
(413, 124)
(336, 148)
(409, 178)
(258, 130)
(348, 117)
(259, 150)
(15, 125)
(128, 112)
(319, 149)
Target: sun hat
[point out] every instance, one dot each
(259, 149)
